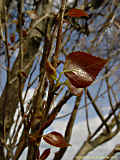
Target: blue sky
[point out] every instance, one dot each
(79, 130)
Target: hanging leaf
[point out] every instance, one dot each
(82, 68)
(32, 14)
(74, 12)
(50, 70)
(55, 139)
(45, 154)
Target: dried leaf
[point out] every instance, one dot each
(45, 154)
(82, 68)
(55, 139)
(74, 12)
(50, 70)
(32, 14)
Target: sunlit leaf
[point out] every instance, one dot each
(32, 14)
(55, 139)
(45, 154)
(74, 12)
(82, 68)
(50, 70)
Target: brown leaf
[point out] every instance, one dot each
(74, 12)
(82, 68)
(55, 139)
(45, 154)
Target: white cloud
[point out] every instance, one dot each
(70, 1)
(79, 135)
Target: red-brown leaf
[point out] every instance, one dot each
(74, 12)
(45, 154)
(82, 68)
(55, 139)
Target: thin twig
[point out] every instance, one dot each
(68, 131)
(59, 35)
(113, 152)
(86, 111)
(110, 99)
(28, 86)
(106, 119)
(8, 64)
(97, 110)
(21, 56)
(83, 106)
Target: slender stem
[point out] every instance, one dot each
(97, 111)
(59, 35)
(21, 56)
(8, 64)
(86, 111)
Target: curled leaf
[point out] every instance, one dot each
(82, 68)
(55, 139)
(45, 154)
(74, 12)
